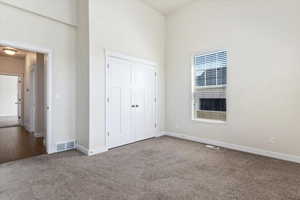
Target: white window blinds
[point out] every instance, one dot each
(211, 69)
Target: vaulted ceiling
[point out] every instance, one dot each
(166, 6)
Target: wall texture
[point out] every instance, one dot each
(263, 91)
(129, 27)
(12, 65)
(63, 11)
(61, 39)
(82, 86)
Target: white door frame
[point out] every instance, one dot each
(48, 77)
(153, 65)
(20, 103)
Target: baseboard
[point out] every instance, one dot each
(261, 152)
(82, 149)
(90, 152)
(38, 135)
(27, 127)
(160, 133)
(97, 151)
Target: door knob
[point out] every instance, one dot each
(137, 106)
(133, 106)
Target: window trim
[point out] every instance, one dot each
(193, 87)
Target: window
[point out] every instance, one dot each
(209, 86)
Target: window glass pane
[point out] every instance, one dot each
(211, 61)
(222, 59)
(200, 62)
(213, 104)
(200, 78)
(222, 74)
(211, 77)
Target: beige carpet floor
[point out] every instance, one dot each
(158, 169)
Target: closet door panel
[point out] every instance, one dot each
(120, 102)
(144, 95)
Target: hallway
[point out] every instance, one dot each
(16, 143)
(9, 121)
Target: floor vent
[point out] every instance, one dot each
(65, 146)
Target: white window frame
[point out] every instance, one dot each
(193, 87)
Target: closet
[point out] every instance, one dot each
(131, 101)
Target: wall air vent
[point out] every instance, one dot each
(65, 146)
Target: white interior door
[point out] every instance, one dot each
(120, 102)
(144, 97)
(131, 103)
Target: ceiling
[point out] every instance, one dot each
(166, 6)
(19, 54)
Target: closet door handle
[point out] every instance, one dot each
(137, 106)
(132, 106)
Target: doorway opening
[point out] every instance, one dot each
(10, 99)
(24, 102)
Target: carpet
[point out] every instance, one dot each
(163, 168)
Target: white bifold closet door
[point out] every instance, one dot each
(132, 102)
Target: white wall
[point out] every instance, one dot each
(11, 65)
(61, 10)
(82, 86)
(61, 39)
(262, 38)
(129, 27)
(30, 61)
(8, 95)
(40, 128)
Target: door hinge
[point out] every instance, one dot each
(107, 100)
(107, 65)
(155, 74)
(155, 125)
(155, 99)
(107, 133)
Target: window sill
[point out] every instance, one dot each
(210, 121)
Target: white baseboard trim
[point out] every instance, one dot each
(160, 133)
(38, 135)
(90, 152)
(82, 149)
(261, 152)
(27, 127)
